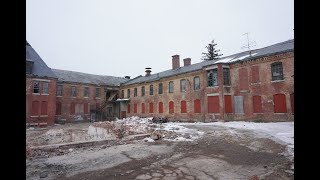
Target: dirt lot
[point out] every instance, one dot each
(220, 153)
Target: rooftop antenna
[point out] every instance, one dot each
(249, 43)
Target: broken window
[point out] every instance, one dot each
(212, 77)
(97, 92)
(128, 93)
(160, 88)
(151, 90)
(142, 91)
(86, 92)
(182, 85)
(73, 91)
(171, 87)
(277, 71)
(35, 86)
(59, 90)
(196, 83)
(135, 92)
(226, 76)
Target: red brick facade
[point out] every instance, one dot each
(251, 83)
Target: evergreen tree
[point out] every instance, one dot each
(212, 53)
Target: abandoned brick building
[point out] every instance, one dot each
(60, 95)
(251, 85)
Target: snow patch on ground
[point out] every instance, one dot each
(148, 140)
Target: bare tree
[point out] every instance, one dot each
(212, 53)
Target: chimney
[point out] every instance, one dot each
(186, 61)
(175, 62)
(127, 77)
(148, 71)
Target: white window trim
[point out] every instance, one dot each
(212, 67)
(36, 93)
(43, 115)
(45, 94)
(276, 81)
(213, 94)
(59, 96)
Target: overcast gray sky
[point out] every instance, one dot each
(122, 37)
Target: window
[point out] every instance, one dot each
(44, 107)
(213, 104)
(257, 105)
(238, 104)
(279, 103)
(135, 108)
(227, 104)
(182, 85)
(171, 107)
(58, 108)
(36, 87)
(128, 93)
(45, 88)
(150, 107)
(197, 106)
(35, 108)
(86, 92)
(85, 108)
(142, 91)
(196, 83)
(160, 107)
(226, 76)
(59, 90)
(183, 107)
(277, 71)
(73, 91)
(97, 92)
(135, 92)
(212, 77)
(171, 87)
(151, 90)
(143, 108)
(72, 108)
(122, 93)
(160, 88)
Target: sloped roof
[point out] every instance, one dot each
(79, 77)
(282, 47)
(40, 68)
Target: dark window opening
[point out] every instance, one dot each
(160, 88)
(277, 71)
(212, 77)
(36, 87)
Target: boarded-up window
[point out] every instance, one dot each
(58, 108)
(183, 107)
(292, 102)
(197, 106)
(85, 108)
(171, 107)
(227, 104)
(243, 77)
(135, 108)
(35, 108)
(142, 108)
(150, 107)
(255, 74)
(257, 105)
(128, 111)
(213, 104)
(238, 104)
(72, 108)
(44, 108)
(279, 103)
(160, 107)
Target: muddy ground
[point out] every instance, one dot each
(221, 153)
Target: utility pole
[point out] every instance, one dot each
(249, 43)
